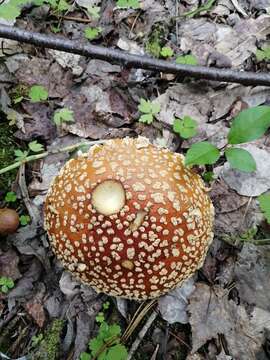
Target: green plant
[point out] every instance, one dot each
(263, 54)
(35, 340)
(264, 202)
(92, 33)
(186, 59)
(166, 52)
(106, 345)
(249, 124)
(149, 110)
(38, 93)
(63, 115)
(6, 284)
(186, 127)
(34, 146)
(12, 9)
(10, 196)
(94, 11)
(24, 220)
(133, 4)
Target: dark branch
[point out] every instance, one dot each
(136, 61)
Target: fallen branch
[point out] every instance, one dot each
(136, 61)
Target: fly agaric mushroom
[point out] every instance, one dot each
(130, 219)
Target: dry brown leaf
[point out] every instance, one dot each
(9, 261)
(212, 314)
(36, 311)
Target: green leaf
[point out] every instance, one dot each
(20, 155)
(92, 33)
(113, 330)
(208, 176)
(202, 153)
(166, 52)
(145, 106)
(264, 202)
(186, 128)
(249, 124)
(106, 305)
(146, 118)
(263, 54)
(133, 4)
(24, 219)
(38, 93)
(187, 60)
(17, 100)
(85, 356)
(10, 196)
(4, 289)
(35, 146)
(118, 352)
(63, 115)
(240, 159)
(155, 108)
(63, 6)
(9, 12)
(100, 317)
(95, 345)
(94, 12)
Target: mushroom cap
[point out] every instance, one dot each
(130, 219)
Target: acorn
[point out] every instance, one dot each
(9, 221)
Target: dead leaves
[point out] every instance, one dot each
(213, 314)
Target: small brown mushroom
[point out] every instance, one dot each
(9, 221)
(130, 220)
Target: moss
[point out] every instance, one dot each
(49, 346)
(155, 40)
(7, 148)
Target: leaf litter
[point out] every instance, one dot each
(227, 303)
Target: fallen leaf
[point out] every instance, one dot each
(252, 271)
(9, 261)
(212, 314)
(67, 60)
(244, 183)
(43, 72)
(36, 311)
(173, 306)
(234, 214)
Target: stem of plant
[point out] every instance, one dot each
(46, 153)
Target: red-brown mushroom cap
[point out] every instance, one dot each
(130, 220)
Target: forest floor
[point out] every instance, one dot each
(224, 310)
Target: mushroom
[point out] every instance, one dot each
(130, 219)
(9, 221)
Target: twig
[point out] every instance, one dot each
(73, 18)
(136, 61)
(46, 153)
(141, 334)
(31, 208)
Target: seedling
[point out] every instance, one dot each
(166, 52)
(149, 110)
(132, 4)
(34, 146)
(6, 284)
(186, 128)
(24, 220)
(38, 93)
(186, 59)
(263, 54)
(106, 345)
(92, 33)
(63, 115)
(10, 197)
